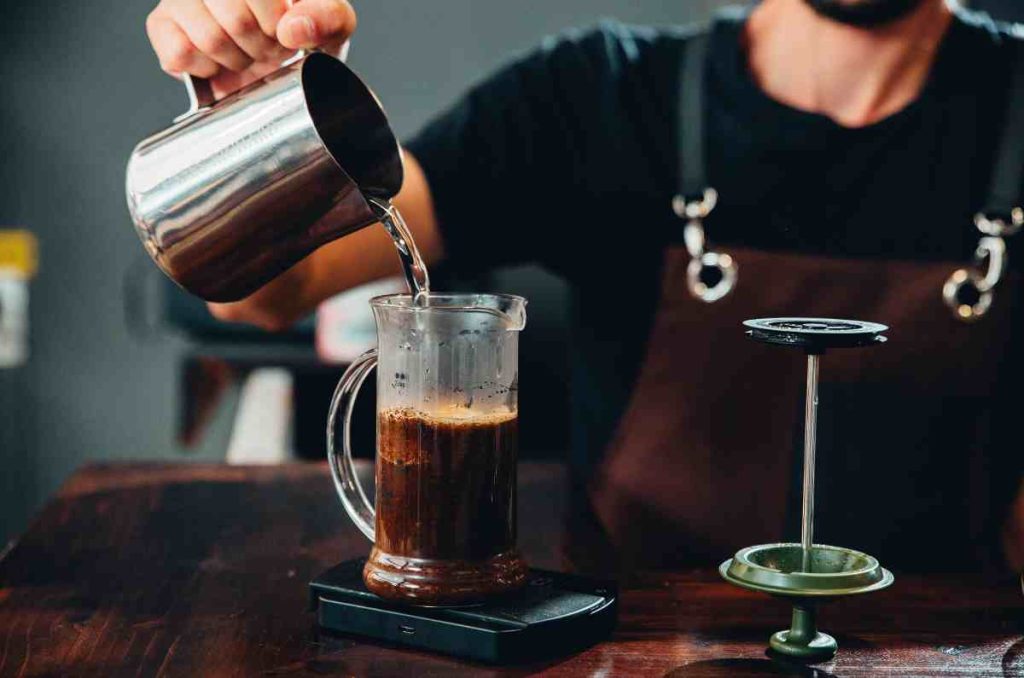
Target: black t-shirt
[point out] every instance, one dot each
(568, 158)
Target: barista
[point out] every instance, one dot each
(850, 142)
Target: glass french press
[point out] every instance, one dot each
(444, 524)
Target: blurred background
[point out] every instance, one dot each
(121, 365)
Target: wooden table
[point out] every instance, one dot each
(188, 570)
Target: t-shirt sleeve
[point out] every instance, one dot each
(507, 163)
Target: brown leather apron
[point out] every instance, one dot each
(917, 438)
(705, 459)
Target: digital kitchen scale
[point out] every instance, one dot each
(554, 614)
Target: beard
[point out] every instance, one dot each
(863, 13)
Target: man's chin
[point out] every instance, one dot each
(864, 13)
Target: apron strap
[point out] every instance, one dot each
(1004, 194)
(692, 175)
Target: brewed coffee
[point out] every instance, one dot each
(447, 508)
(449, 484)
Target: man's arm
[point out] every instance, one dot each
(355, 259)
(233, 42)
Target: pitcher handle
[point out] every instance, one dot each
(200, 92)
(346, 482)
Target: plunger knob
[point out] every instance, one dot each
(815, 335)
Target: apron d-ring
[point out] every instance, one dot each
(710, 275)
(968, 292)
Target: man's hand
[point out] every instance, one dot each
(233, 42)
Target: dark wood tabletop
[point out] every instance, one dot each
(200, 570)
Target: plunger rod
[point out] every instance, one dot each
(810, 435)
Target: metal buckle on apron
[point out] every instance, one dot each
(710, 275)
(968, 292)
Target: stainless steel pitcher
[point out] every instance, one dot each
(239, 190)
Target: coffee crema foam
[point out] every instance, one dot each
(407, 435)
(453, 414)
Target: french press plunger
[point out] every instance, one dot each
(808, 573)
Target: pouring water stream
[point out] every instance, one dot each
(414, 269)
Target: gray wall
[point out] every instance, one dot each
(80, 87)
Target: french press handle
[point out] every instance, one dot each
(200, 91)
(343, 470)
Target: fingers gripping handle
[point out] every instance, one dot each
(351, 493)
(200, 91)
